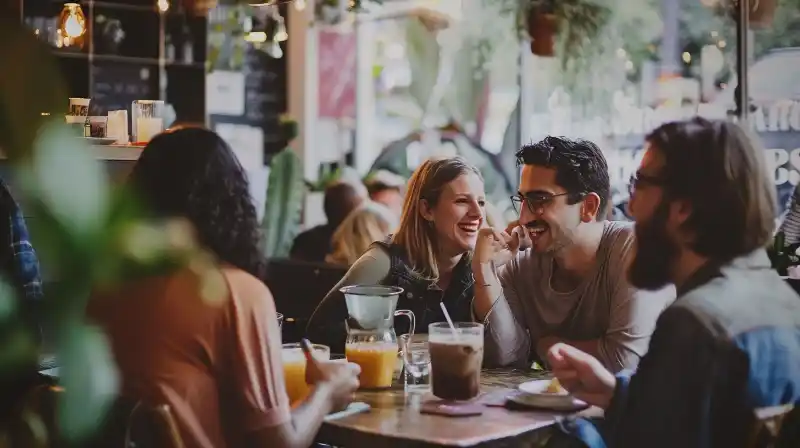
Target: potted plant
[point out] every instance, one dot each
(284, 204)
(542, 23)
(559, 27)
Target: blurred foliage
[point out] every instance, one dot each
(425, 63)
(88, 236)
(701, 26)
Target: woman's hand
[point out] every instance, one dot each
(494, 246)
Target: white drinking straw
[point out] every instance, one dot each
(449, 321)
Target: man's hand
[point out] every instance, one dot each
(495, 246)
(582, 374)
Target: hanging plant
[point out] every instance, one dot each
(542, 26)
(761, 11)
(559, 27)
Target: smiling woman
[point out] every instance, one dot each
(429, 255)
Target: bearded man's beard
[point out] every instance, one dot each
(655, 252)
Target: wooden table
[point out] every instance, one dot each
(395, 421)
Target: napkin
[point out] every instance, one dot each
(117, 126)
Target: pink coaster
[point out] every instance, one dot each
(495, 398)
(451, 408)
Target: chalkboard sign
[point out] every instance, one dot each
(264, 99)
(115, 87)
(264, 94)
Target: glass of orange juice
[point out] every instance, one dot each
(294, 369)
(377, 361)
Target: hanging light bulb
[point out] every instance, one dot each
(72, 25)
(300, 5)
(256, 37)
(162, 5)
(274, 49)
(280, 31)
(254, 31)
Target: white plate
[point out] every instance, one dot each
(353, 408)
(532, 394)
(100, 140)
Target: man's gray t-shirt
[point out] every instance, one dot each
(602, 307)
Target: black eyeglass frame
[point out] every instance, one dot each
(638, 180)
(518, 199)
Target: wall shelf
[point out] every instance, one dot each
(124, 59)
(120, 153)
(132, 52)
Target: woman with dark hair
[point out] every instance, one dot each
(217, 365)
(192, 173)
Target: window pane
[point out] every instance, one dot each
(446, 81)
(651, 61)
(774, 88)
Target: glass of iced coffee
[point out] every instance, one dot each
(456, 358)
(294, 369)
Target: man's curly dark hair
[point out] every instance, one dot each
(191, 172)
(580, 167)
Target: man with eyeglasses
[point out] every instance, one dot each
(569, 285)
(723, 365)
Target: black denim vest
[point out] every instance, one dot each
(422, 296)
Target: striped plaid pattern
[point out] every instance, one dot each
(20, 263)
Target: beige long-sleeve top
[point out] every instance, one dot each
(604, 306)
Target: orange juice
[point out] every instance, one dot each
(294, 370)
(377, 362)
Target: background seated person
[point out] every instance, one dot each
(315, 244)
(387, 188)
(369, 223)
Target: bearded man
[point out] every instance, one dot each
(569, 285)
(704, 205)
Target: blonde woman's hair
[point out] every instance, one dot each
(416, 235)
(363, 226)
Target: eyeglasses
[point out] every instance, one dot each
(536, 202)
(639, 180)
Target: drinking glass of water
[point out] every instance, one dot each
(416, 362)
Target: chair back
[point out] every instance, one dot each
(136, 424)
(298, 287)
(33, 421)
(768, 426)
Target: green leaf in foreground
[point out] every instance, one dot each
(89, 378)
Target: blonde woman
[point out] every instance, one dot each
(363, 226)
(428, 256)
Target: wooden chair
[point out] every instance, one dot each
(298, 287)
(136, 424)
(33, 422)
(159, 425)
(768, 424)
